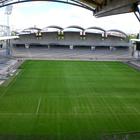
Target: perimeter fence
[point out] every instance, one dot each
(94, 136)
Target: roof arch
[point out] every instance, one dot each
(97, 28)
(115, 30)
(15, 32)
(75, 26)
(100, 8)
(54, 26)
(71, 2)
(32, 28)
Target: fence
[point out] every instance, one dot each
(122, 136)
(94, 135)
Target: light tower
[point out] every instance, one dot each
(8, 12)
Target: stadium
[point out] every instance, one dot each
(71, 84)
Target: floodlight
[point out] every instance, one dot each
(8, 10)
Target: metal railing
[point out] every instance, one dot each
(122, 136)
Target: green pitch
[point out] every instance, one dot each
(71, 97)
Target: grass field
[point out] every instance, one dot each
(71, 97)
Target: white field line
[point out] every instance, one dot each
(14, 81)
(66, 114)
(91, 96)
(17, 114)
(75, 110)
(107, 96)
(83, 95)
(41, 76)
(105, 65)
(105, 107)
(130, 69)
(136, 110)
(60, 96)
(38, 105)
(88, 95)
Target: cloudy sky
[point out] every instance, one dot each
(43, 14)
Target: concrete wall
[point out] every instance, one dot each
(72, 38)
(49, 38)
(25, 39)
(93, 39)
(116, 41)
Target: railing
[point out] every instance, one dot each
(122, 136)
(92, 136)
(49, 137)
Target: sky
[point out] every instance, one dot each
(43, 14)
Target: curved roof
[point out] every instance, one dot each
(32, 28)
(119, 31)
(100, 8)
(75, 26)
(15, 32)
(97, 28)
(72, 26)
(54, 26)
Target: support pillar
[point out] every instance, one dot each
(115, 137)
(27, 46)
(4, 45)
(134, 48)
(136, 54)
(71, 47)
(49, 47)
(8, 48)
(93, 48)
(112, 48)
(126, 136)
(107, 138)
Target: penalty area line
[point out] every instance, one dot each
(75, 110)
(136, 110)
(62, 114)
(105, 65)
(38, 105)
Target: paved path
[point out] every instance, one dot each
(133, 65)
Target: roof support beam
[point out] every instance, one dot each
(71, 2)
(113, 7)
(136, 9)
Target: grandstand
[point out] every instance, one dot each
(6, 64)
(79, 52)
(64, 44)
